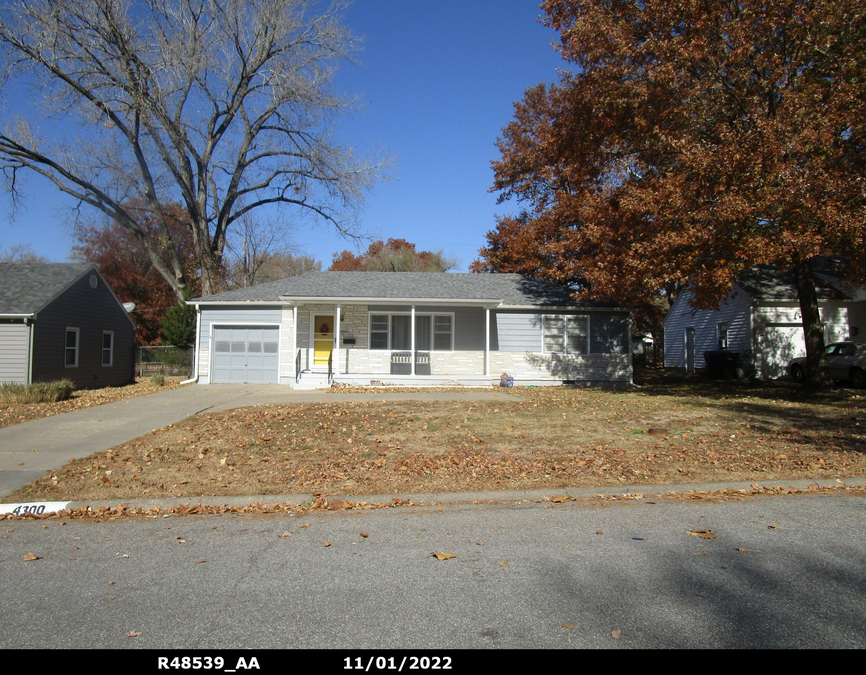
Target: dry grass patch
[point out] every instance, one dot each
(544, 437)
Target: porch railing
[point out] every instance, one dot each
(401, 363)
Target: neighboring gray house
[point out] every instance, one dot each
(62, 321)
(760, 319)
(409, 328)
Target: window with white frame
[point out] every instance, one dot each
(722, 330)
(564, 334)
(71, 356)
(107, 348)
(393, 331)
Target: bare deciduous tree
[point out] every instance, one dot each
(222, 105)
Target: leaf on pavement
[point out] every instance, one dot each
(326, 544)
(616, 633)
(285, 534)
(133, 633)
(558, 499)
(31, 556)
(568, 625)
(772, 526)
(703, 534)
(304, 525)
(444, 556)
(364, 534)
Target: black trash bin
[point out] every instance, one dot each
(721, 363)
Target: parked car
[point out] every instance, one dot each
(845, 360)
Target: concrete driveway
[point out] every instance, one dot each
(30, 449)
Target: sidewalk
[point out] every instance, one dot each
(30, 449)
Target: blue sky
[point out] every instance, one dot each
(437, 81)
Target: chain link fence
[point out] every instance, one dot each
(164, 361)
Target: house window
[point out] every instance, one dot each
(433, 332)
(722, 330)
(71, 348)
(566, 334)
(107, 348)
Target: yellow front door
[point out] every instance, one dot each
(323, 339)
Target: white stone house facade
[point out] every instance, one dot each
(409, 329)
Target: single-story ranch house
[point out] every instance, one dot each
(405, 328)
(62, 321)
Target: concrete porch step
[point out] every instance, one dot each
(310, 380)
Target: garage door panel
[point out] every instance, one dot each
(246, 354)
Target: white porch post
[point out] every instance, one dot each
(337, 342)
(486, 342)
(295, 364)
(412, 340)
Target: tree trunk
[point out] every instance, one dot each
(817, 373)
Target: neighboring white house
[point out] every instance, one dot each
(760, 319)
(409, 328)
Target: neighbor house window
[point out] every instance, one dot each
(566, 334)
(107, 348)
(71, 347)
(433, 332)
(722, 330)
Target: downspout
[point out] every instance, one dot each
(30, 331)
(196, 352)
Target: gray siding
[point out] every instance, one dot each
(522, 332)
(516, 332)
(14, 338)
(92, 311)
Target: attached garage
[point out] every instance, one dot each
(246, 354)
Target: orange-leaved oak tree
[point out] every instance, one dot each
(687, 142)
(394, 255)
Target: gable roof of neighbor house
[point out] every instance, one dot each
(494, 289)
(765, 283)
(27, 288)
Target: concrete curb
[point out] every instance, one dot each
(432, 499)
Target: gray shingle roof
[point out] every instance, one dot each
(25, 288)
(765, 283)
(509, 289)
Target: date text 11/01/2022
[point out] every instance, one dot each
(399, 664)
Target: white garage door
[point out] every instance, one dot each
(778, 346)
(246, 354)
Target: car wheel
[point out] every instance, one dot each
(858, 378)
(797, 373)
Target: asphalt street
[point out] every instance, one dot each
(779, 572)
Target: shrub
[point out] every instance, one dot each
(38, 392)
(157, 380)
